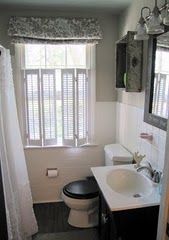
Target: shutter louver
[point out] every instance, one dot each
(82, 106)
(68, 106)
(49, 106)
(32, 88)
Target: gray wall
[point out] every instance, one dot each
(127, 22)
(105, 61)
(130, 106)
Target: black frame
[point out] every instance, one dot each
(150, 118)
(129, 61)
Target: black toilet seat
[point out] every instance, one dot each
(83, 189)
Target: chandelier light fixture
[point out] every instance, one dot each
(166, 16)
(153, 23)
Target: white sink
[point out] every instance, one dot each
(125, 188)
(129, 183)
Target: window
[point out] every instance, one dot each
(57, 84)
(161, 83)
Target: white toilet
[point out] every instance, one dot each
(82, 196)
(82, 199)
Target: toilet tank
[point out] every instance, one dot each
(116, 154)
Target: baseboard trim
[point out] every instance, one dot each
(48, 201)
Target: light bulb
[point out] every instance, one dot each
(154, 23)
(141, 30)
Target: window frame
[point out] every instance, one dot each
(19, 66)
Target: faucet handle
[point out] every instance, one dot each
(150, 166)
(157, 176)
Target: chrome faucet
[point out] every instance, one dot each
(154, 175)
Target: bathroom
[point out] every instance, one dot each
(117, 115)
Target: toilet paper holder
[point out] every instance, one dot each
(48, 169)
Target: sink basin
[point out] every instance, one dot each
(129, 183)
(124, 188)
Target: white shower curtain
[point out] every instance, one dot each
(20, 216)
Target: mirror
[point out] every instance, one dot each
(157, 88)
(160, 103)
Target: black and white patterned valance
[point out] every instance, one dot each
(54, 30)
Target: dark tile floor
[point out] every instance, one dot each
(72, 235)
(52, 223)
(52, 217)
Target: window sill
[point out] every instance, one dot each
(89, 145)
(55, 146)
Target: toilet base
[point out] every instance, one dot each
(83, 219)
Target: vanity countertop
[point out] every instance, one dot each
(117, 201)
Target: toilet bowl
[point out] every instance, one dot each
(82, 199)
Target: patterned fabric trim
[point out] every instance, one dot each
(57, 30)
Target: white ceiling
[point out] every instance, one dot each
(111, 5)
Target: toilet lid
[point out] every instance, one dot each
(83, 189)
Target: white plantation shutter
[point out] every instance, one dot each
(155, 94)
(68, 106)
(32, 97)
(160, 101)
(48, 89)
(82, 106)
(59, 102)
(161, 94)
